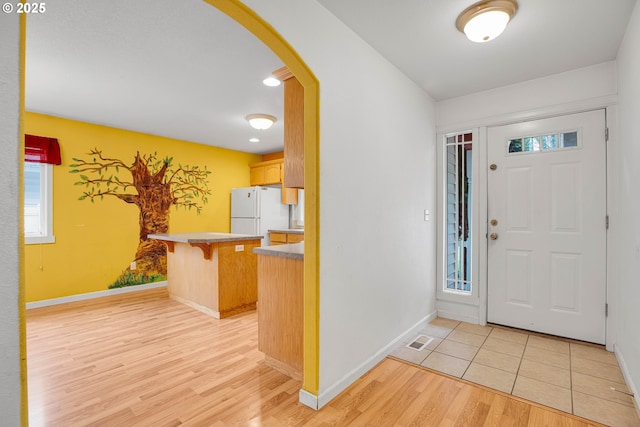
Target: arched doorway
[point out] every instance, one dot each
(247, 18)
(269, 36)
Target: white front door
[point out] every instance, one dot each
(547, 226)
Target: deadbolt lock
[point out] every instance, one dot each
(493, 166)
(493, 236)
(494, 222)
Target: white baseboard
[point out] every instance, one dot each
(91, 295)
(627, 377)
(308, 399)
(317, 402)
(456, 310)
(453, 315)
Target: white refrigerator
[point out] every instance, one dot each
(256, 210)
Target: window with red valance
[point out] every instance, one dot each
(41, 149)
(40, 153)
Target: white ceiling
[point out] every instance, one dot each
(186, 71)
(180, 69)
(545, 37)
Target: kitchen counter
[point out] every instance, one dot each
(280, 306)
(293, 251)
(216, 273)
(289, 230)
(203, 237)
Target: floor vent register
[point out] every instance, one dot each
(420, 342)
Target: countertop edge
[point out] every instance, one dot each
(193, 238)
(292, 251)
(287, 230)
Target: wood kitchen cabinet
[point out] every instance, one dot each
(283, 238)
(266, 173)
(271, 172)
(277, 238)
(289, 195)
(293, 128)
(280, 309)
(294, 238)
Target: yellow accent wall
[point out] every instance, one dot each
(95, 242)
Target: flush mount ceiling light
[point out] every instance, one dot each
(261, 121)
(486, 20)
(271, 82)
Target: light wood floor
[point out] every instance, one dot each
(141, 359)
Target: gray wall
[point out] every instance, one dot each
(9, 226)
(626, 241)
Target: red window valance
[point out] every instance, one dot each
(40, 149)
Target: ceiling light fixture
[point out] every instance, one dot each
(271, 82)
(486, 20)
(261, 121)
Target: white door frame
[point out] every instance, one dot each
(474, 307)
(554, 232)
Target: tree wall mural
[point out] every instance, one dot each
(152, 184)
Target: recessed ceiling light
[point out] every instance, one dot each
(271, 81)
(486, 20)
(254, 140)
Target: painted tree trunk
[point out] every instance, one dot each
(154, 201)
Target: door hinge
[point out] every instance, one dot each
(606, 134)
(606, 309)
(607, 221)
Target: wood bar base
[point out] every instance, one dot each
(280, 312)
(216, 278)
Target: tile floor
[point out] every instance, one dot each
(570, 376)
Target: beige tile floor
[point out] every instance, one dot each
(570, 376)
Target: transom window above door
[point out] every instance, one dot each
(552, 141)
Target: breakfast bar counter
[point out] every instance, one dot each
(215, 273)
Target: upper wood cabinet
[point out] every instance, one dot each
(272, 172)
(293, 129)
(289, 195)
(266, 173)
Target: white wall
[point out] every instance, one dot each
(377, 176)
(548, 95)
(573, 91)
(601, 85)
(9, 249)
(627, 174)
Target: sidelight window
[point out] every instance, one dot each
(458, 212)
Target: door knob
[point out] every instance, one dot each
(493, 236)
(494, 222)
(493, 166)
